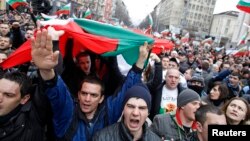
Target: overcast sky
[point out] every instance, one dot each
(138, 9)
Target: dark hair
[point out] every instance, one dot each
(245, 64)
(175, 61)
(21, 79)
(205, 65)
(82, 54)
(224, 92)
(236, 74)
(93, 80)
(224, 108)
(201, 113)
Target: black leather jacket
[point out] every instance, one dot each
(119, 132)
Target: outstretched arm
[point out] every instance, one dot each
(55, 89)
(134, 76)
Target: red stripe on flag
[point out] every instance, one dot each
(244, 8)
(94, 43)
(16, 4)
(66, 12)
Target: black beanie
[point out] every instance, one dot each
(187, 96)
(139, 90)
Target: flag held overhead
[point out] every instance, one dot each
(244, 5)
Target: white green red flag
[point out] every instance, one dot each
(48, 17)
(244, 5)
(242, 41)
(185, 39)
(149, 28)
(64, 10)
(99, 38)
(244, 51)
(15, 3)
(87, 14)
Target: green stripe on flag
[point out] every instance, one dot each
(244, 3)
(129, 41)
(15, 3)
(11, 2)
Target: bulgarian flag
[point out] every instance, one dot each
(244, 51)
(15, 3)
(64, 10)
(244, 5)
(150, 21)
(87, 14)
(48, 17)
(243, 39)
(185, 39)
(100, 38)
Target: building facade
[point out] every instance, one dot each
(223, 26)
(240, 30)
(192, 15)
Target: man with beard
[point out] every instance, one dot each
(197, 84)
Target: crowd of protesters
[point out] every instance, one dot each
(175, 97)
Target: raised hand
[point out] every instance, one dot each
(54, 33)
(155, 57)
(144, 51)
(42, 52)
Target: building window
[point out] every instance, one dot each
(226, 31)
(197, 7)
(214, 1)
(191, 15)
(228, 22)
(193, 7)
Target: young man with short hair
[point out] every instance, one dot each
(133, 126)
(23, 114)
(208, 115)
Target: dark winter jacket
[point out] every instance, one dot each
(27, 122)
(119, 132)
(169, 127)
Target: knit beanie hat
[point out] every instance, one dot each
(187, 96)
(198, 78)
(139, 90)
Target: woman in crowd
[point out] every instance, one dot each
(237, 111)
(217, 95)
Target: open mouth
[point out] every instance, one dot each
(134, 123)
